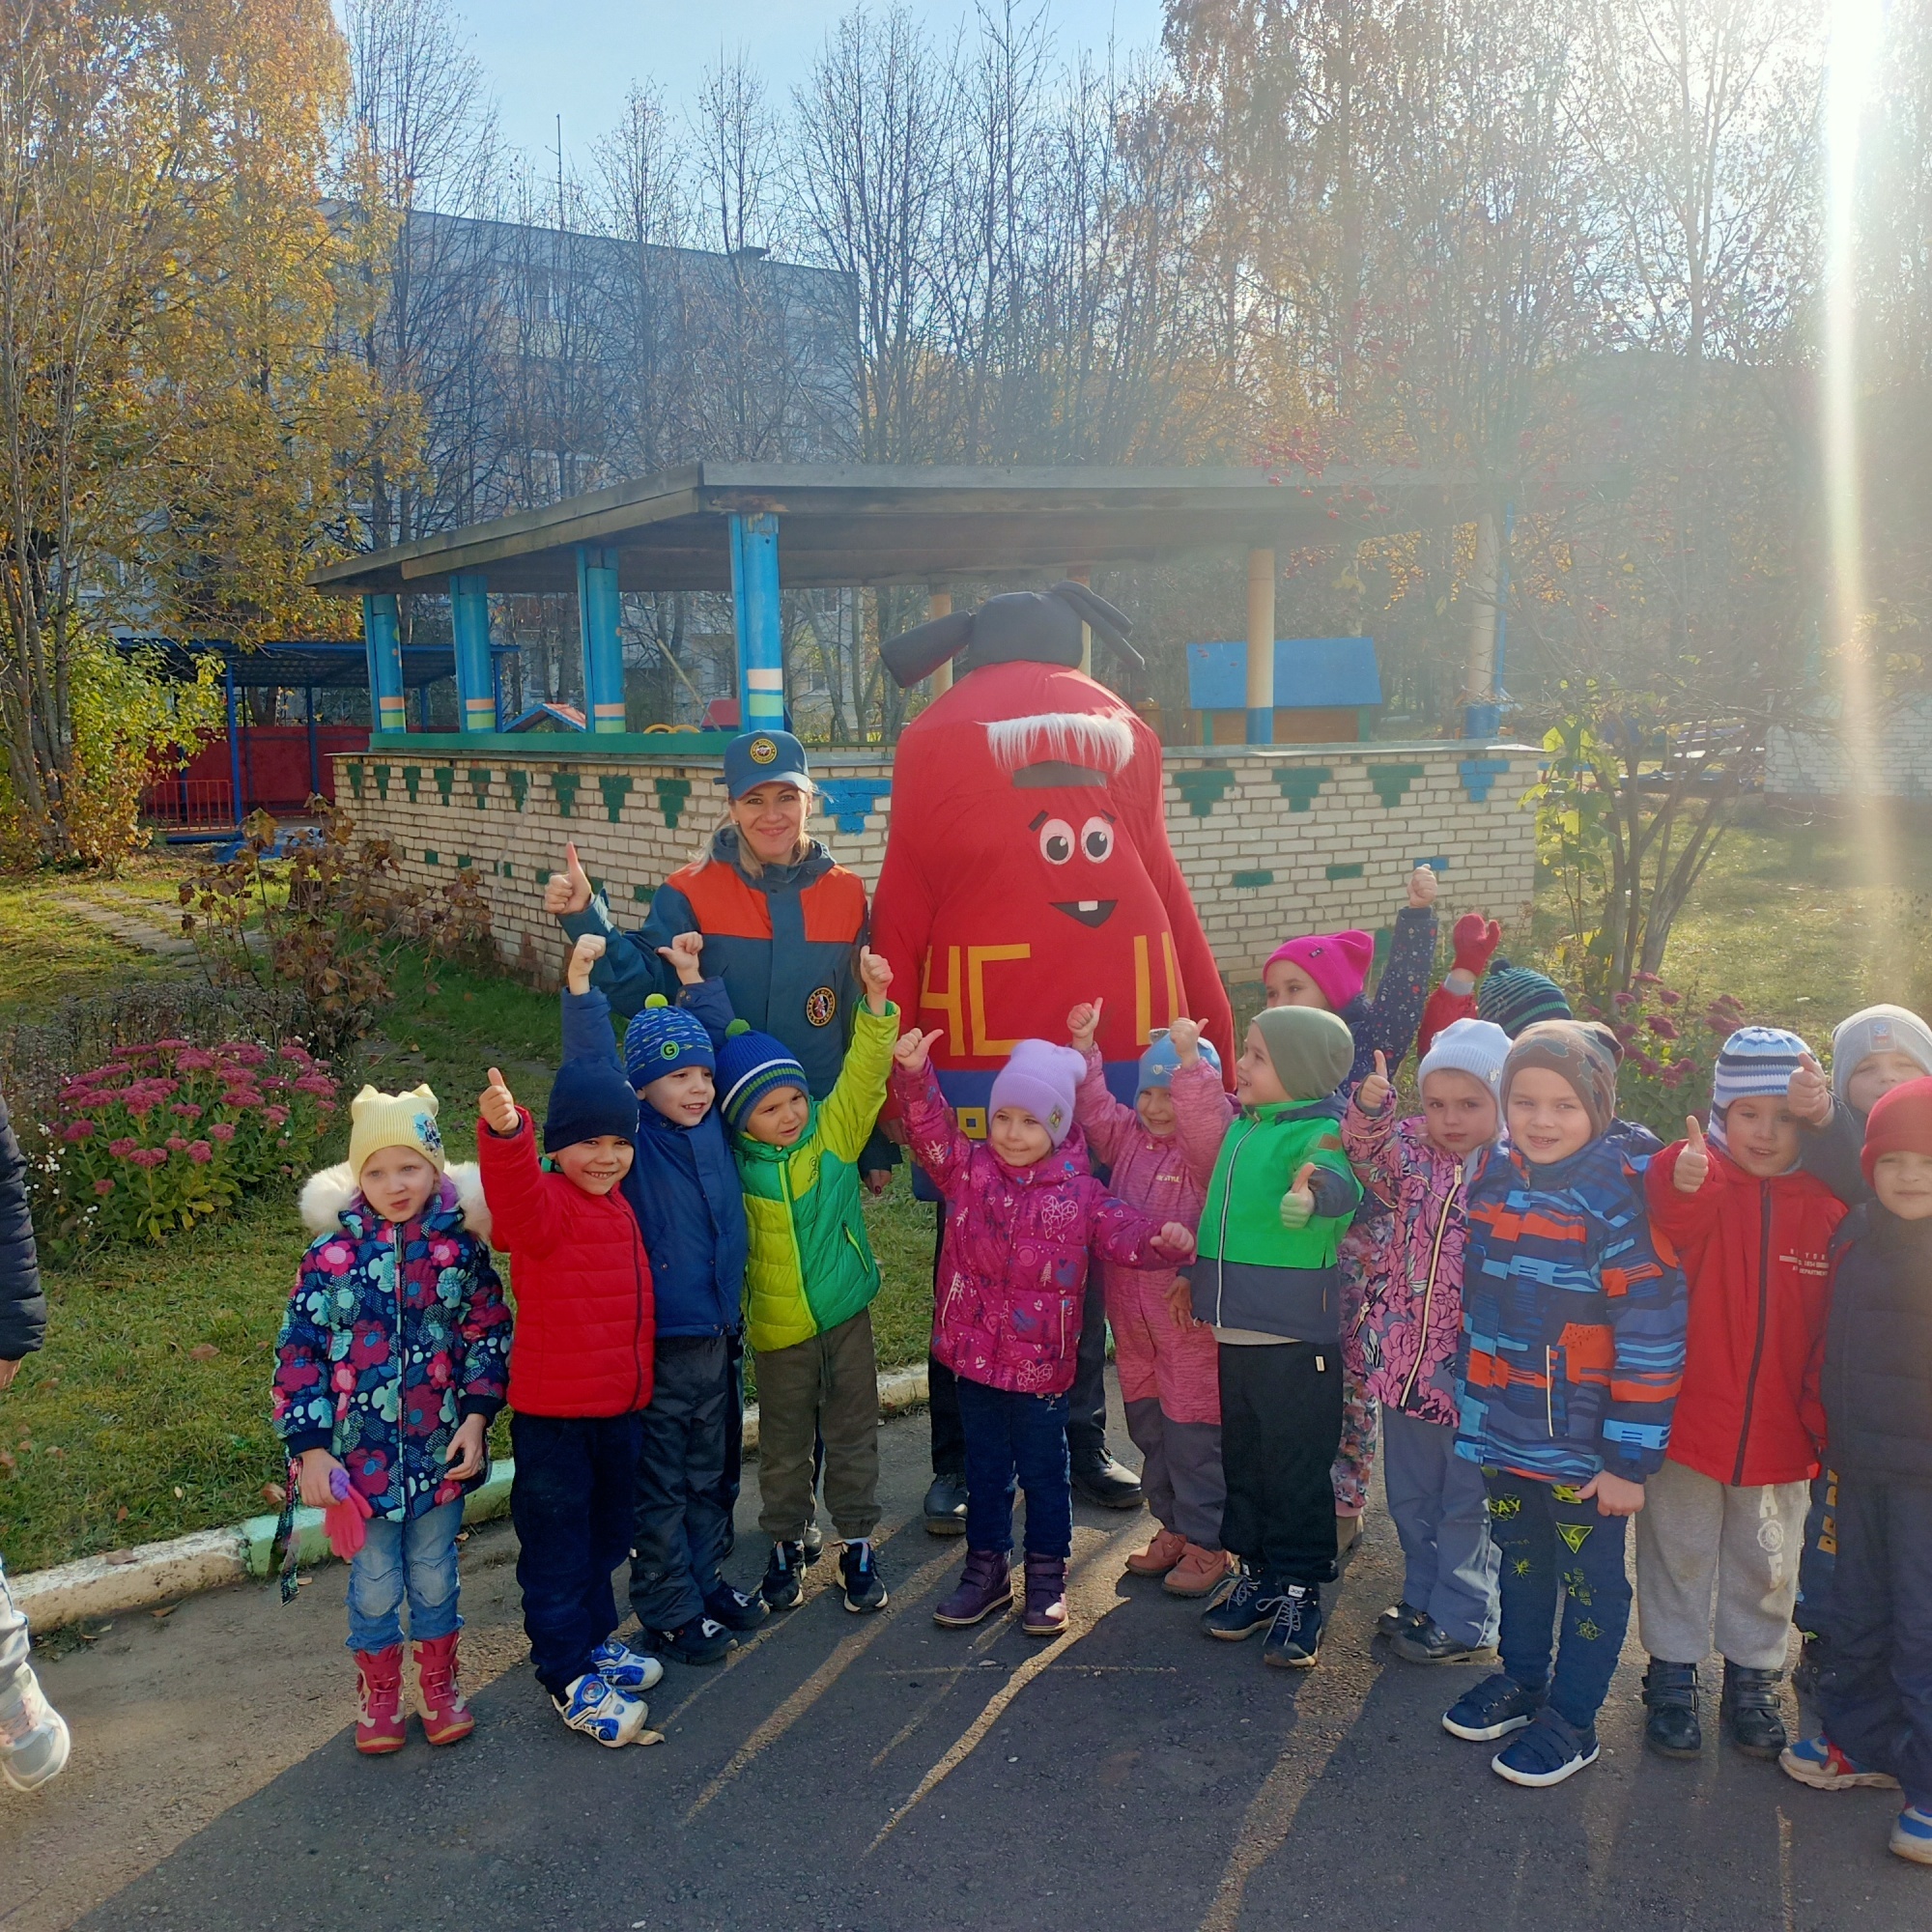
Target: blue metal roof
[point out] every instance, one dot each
(1310, 674)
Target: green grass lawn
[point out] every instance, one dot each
(49, 953)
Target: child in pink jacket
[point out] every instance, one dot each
(1161, 1154)
(1022, 1215)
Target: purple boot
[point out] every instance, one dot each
(1045, 1613)
(985, 1586)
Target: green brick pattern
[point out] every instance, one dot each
(673, 795)
(1391, 783)
(382, 782)
(520, 786)
(479, 784)
(1335, 873)
(616, 788)
(445, 779)
(430, 858)
(1300, 783)
(1250, 882)
(564, 784)
(354, 767)
(1203, 789)
(413, 778)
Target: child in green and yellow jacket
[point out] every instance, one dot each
(809, 1283)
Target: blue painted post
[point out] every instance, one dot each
(1260, 647)
(754, 604)
(597, 609)
(470, 627)
(382, 641)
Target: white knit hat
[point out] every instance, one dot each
(1477, 1047)
(378, 1121)
(1877, 1030)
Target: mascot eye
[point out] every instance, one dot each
(1096, 838)
(1056, 841)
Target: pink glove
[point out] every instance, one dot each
(1474, 940)
(345, 1516)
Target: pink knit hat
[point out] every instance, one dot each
(1338, 963)
(1041, 1078)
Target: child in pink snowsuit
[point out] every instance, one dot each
(1161, 1154)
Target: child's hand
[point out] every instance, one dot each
(1422, 887)
(583, 956)
(1809, 1094)
(1175, 1242)
(567, 891)
(498, 1106)
(1180, 1304)
(1298, 1204)
(1187, 1038)
(909, 1055)
(1372, 1096)
(464, 1458)
(313, 1469)
(1615, 1495)
(1473, 939)
(1083, 1023)
(682, 953)
(1693, 1164)
(876, 975)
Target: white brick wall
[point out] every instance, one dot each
(1259, 871)
(1815, 764)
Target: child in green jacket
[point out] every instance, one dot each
(1279, 1203)
(809, 1283)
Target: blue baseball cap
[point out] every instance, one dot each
(764, 757)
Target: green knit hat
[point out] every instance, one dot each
(1312, 1049)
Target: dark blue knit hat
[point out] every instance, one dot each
(663, 1037)
(1513, 997)
(589, 1098)
(750, 1066)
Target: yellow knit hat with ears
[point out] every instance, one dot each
(378, 1121)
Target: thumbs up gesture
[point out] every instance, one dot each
(498, 1106)
(1185, 1036)
(1809, 1094)
(1298, 1204)
(1083, 1023)
(583, 956)
(1693, 1164)
(1373, 1094)
(910, 1054)
(567, 891)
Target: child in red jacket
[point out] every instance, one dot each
(580, 1372)
(1725, 1513)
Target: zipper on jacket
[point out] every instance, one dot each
(1763, 1319)
(1221, 1241)
(1429, 1293)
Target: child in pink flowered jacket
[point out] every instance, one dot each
(1404, 1346)
(1022, 1217)
(1162, 1156)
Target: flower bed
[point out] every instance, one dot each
(169, 1134)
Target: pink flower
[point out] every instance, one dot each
(244, 1052)
(200, 1152)
(221, 1130)
(1646, 979)
(148, 1156)
(77, 1131)
(104, 1188)
(1663, 1028)
(122, 1149)
(274, 1116)
(139, 1101)
(1621, 1000)
(193, 1059)
(186, 1110)
(164, 1046)
(274, 1084)
(316, 1083)
(335, 1257)
(1669, 998)
(325, 1106)
(174, 1143)
(299, 1055)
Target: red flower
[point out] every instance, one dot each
(122, 1149)
(1663, 1028)
(1623, 1000)
(104, 1188)
(221, 1130)
(1669, 998)
(148, 1156)
(174, 1143)
(275, 1116)
(193, 1059)
(186, 1110)
(77, 1131)
(200, 1152)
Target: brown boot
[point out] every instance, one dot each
(1159, 1556)
(379, 1726)
(1199, 1573)
(447, 1717)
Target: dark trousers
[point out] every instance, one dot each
(1820, 1556)
(1281, 1423)
(1875, 1692)
(734, 1446)
(1085, 1402)
(678, 1510)
(1550, 1541)
(1015, 1441)
(570, 1501)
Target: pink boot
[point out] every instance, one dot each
(447, 1717)
(1045, 1613)
(985, 1586)
(380, 1727)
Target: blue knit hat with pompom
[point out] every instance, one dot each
(663, 1037)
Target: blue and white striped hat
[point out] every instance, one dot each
(1755, 1059)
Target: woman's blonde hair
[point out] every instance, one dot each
(749, 861)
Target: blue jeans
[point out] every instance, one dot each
(414, 1559)
(1016, 1441)
(1551, 1542)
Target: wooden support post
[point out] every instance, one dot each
(938, 604)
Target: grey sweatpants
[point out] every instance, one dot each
(1441, 1509)
(828, 1387)
(18, 1685)
(1181, 1472)
(1698, 1540)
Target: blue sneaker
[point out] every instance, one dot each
(1249, 1606)
(1549, 1751)
(859, 1573)
(1293, 1641)
(601, 1711)
(624, 1668)
(1911, 1835)
(1497, 1706)
(735, 1611)
(1819, 1763)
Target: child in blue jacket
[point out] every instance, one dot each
(683, 1186)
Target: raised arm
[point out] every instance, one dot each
(1203, 1113)
(1396, 1013)
(847, 1114)
(1681, 1212)
(932, 1134)
(1372, 1140)
(1128, 1238)
(586, 1028)
(522, 1209)
(631, 970)
(1107, 1122)
(1833, 1154)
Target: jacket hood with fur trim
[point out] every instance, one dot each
(327, 1196)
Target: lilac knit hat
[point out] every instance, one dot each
(1041, 1078)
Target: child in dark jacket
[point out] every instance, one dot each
(1725, 1512)
(683, 1187)
(391, 1360)
(1573, 1348)
(1023, 1217)
(1875, 1691)
(580, 1374)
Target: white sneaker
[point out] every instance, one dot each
(624, 1668)
(601, 1711)
(34, 1739)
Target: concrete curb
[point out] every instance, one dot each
(211, 1559)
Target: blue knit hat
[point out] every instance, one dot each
(750, 1066)
(589, 1098)
(663, 1037)
(1755, 1059)
(1158, 1062)
(1513, 997)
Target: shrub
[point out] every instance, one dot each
(168, 1134)
(1670, 1049)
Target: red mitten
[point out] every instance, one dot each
(1474, 939)
(345, 1516)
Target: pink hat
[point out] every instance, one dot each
(1041, 1078)
(1338, 963)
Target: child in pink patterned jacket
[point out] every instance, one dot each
(1403, 1346)
(1163, 1158)
(1022, 1215)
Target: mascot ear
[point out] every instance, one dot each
(922, 650)
(1097, 614)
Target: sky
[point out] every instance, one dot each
(577, 57)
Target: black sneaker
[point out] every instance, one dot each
(1670, 1693)
(812, 1543)
(1400, 1617)
(1431, 1643)
(735, 1611)
(859, 1572)
(785, 1576)
(945, 1505)
(1247, 1607)
(1294, 1639)
(698, 1641)
(1497, 1706)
